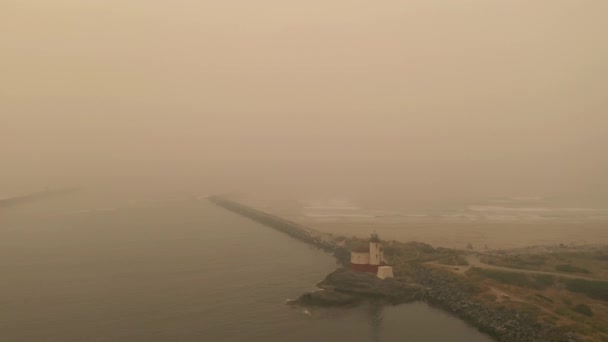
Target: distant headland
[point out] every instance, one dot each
(34, 196)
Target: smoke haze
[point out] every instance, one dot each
(409, 101)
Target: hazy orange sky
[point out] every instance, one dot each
(435, 98)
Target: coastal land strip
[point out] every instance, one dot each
(548, 293)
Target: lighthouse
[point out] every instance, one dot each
(370, 259)
(376, 256)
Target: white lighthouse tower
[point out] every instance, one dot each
(376, 255)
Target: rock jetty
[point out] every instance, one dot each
(290, 228)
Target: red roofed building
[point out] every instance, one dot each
(367, 259)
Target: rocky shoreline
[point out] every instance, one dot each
(343, 287)
(500, 322)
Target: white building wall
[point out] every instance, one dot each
(359, 258)
(385, 272)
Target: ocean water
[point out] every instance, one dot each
(180, 270)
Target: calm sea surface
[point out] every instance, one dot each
(180, 271)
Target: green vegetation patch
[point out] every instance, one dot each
(529, 262)
(592, 288)
(538, 282)
(421, 246)
(571, 269)
(583, 309)
(455, 260)
(545, 298)
(391, 250)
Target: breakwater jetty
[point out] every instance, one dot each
(295, 230)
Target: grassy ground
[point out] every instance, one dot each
(589, 263)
